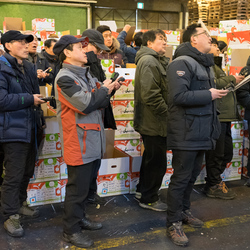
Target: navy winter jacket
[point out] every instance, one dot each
(17, 113)
(192, 117)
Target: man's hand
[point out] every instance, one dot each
(41, 74)
(118, 83)
(126, 28)
(218, 93)
(239, 78)
(109, 84)
(37, 99)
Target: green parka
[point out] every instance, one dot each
(227, 104)
(150, 110)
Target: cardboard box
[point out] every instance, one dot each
(237, 150)
(108, 66)
(126, 91)
(234, 70)
(131, 147)
(63, 169)
(201, 177)
(51, 144)
(233, 25)
(214, 31)
(169, 171)
(173, 37)
(45, 91)
(130, 34)
(237, 56)
(167, 177)
(13, 23)
(63, 184)
(232, 171)
(125, 130)
(135, 165)
(113, 178)
(241, 111)
(43, 193)
(123, 110)
(237, 130)
(43, 24)
(46, 170)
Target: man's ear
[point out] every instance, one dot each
(193, 39)
(149, 44)
(66, 52)
(8, 46)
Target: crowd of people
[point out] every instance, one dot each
(182, 106)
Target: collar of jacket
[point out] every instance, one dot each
(218, 61)
(144, 51)
(186, 49)
(76, 69)
(52, 58)
(32, 58)
(13, 63)
(6, 62)
(92, 58)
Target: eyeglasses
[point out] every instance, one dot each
(204, 32)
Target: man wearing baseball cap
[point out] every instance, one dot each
(80, 99)
(95, 46)
(20, 119)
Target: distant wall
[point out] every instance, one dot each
(66, 18)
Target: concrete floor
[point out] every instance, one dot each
(127, 226)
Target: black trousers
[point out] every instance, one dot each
(93, 185)
(77, 190)
(248, 161)
(187, 166)
(153, 167)
(19, 162)
(1, 164)
(216, 160)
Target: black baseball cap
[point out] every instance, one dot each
(96, 38)
(103, 28)
(64, 41)
(14, 35)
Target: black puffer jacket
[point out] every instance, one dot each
(192, 119)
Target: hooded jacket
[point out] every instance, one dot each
(226, 105)
(150, 96)
(18, 115)
(192, 118)
(115, 53)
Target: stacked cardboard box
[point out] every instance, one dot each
(126, 138)
(46, 185)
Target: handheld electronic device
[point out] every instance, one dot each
(48, 99)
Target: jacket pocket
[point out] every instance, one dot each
(198, 125)
(90, 139)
